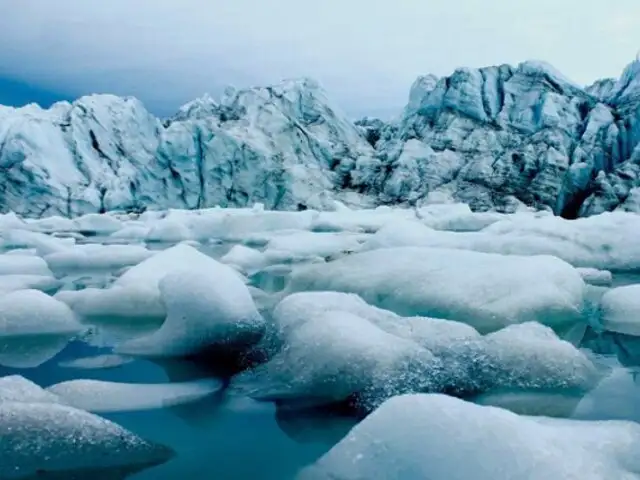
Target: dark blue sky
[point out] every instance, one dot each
(15, 93)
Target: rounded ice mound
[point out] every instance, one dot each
(23, 265)
(44, 244)
(97, 257)
(431, 333)
(209, 311)
(620, 310)
(525, 357)
(487, 291)
(596, 277)
(45, 439)
(29, 312)
(169, 229)
(15, 388)
(414, 437)
(247, 260)
(97, 224)
(13, 283)
(100, 396)
(336, 355)
(33, 328)
(136, 294)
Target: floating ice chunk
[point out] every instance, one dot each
(135, 295)
(605, 242)
(487, 291)
(337, 354)
(97, 362)
(247, 260)
(97, 257)
(620, 310)
(131, 232)
(98, 396)
(15, 388)
(53, 224)
(315, 244)
(12, 283)
(169, 229)
(23, 265)
(593, 276)
(31, 312)
(457, 217)
(412, 437)
(43, 243)
(45, 439)
(359, 220)
(9, 221)
(116, 303)
(433, 334)
(525, 357)
(98, 224)
(209, 309)
(33, 328)
(238, 224)
(149, 272)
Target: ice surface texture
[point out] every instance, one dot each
(414, 437)
(495, 138)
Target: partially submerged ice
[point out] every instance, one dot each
(487, 291)
(620, 310)
(102, 396)
(209, 309)
(334, 347)
(48, 440)
(413, 437)
(135, 295)
(34, 327)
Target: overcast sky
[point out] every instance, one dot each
(365, 52)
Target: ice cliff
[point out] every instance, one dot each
(494, 137)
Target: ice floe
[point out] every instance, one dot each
(101, 396)
(413, 437)
(487, 291)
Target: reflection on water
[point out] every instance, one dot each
(30, 351)
(219, 436)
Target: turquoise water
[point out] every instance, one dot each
(232, 437)
(221, 436)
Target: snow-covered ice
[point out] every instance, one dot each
(135, 295)
(97, 257)
(487, 291)
(23, 265)
(14, 388)
(605, 242)
(442, 438)
(337, 354)
(101, 396)
(208, 308)
(52, 439)
(31, 312)
(620, 310)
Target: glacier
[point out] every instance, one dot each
(496, 138)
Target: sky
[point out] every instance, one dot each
(366, 53)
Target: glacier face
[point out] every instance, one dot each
(495, 138)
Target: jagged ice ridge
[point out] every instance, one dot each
(495, 138)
